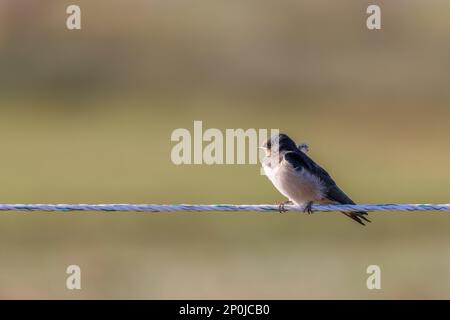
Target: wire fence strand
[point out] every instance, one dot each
(220, 207)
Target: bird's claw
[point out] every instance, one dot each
(308, 208)
(281, 207)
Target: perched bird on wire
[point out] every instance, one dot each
(300, 179)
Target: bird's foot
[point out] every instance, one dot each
(281, 205)
(308, 207)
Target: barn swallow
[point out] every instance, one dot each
(300, 179)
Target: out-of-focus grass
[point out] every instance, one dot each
(123, 155)
(86, 116)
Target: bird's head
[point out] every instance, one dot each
(278, 143)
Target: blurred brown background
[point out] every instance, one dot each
(86, 116)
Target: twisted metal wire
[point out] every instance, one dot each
(219, 207)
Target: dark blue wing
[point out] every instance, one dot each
(300, 160)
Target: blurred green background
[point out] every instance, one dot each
(86, 116)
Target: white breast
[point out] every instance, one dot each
(299, 186)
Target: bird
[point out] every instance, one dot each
(296, 176)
